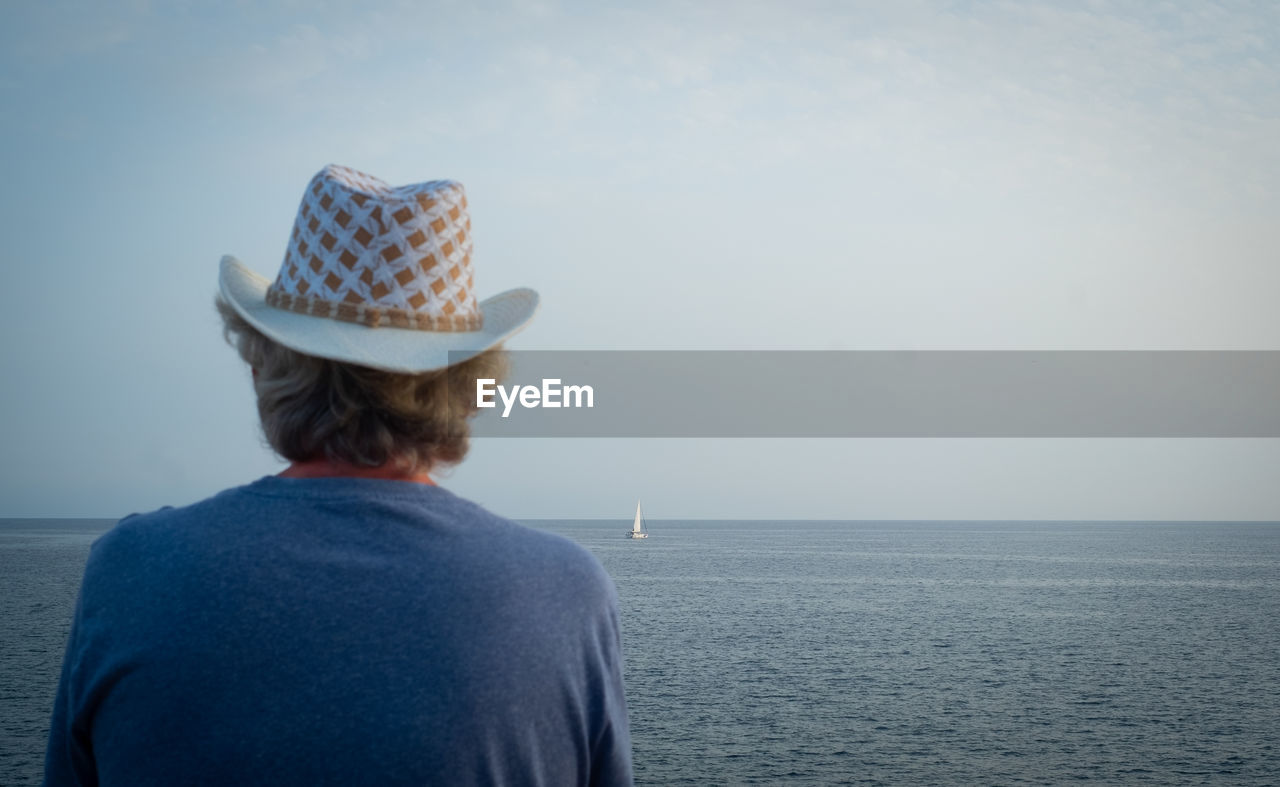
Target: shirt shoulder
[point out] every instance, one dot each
(351, 511)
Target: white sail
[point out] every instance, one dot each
(637, 527)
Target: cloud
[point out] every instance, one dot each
(47, 34)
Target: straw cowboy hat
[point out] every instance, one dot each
(379, 276)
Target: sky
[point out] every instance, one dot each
(718, 175)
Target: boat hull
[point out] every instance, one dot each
(633, 534)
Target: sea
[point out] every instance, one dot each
(895, 653)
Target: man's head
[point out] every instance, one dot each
(315, 408)
(367, 345)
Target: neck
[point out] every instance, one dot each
(328, 468)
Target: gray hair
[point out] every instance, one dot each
(314, 408)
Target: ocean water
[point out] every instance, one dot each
(40, 565)
(950, 652)
(868, 653)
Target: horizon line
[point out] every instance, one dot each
(6, 518)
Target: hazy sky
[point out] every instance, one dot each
(843, 175)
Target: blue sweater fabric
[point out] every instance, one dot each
(340, 631)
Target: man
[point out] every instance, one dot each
(347, 621)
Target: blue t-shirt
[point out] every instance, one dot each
(340, 631)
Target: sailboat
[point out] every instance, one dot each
(637, 527)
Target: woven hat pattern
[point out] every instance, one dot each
(365, 252)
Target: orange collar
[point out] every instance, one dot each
(324, 468)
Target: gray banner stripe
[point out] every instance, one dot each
(894, 394)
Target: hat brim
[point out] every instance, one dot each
(390, 349)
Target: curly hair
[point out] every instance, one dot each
(314, 408)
